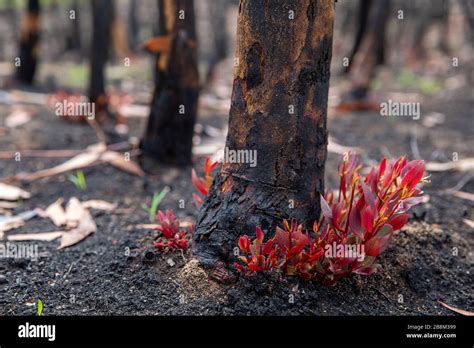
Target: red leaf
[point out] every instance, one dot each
(183, 244)
(317, 255)
(259, 234)
(244, 244)
(382, 167)
(161, 216)
(198, 200)
(385, 230)
(406, 204)
(384, 242)
(413, 173)
(367, 219)
(399, 221)
(300, 245)
(255, 248)
(326, 210)
(368, 195)
(198, 184)
(209, 165)
(372, 247)
(268, 247)
(336, 213)
(239, 267)
(254, 268)
(282, 238)
(355, 222)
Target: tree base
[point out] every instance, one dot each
(235, 207)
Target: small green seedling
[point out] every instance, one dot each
(39, 307)
(155, 202)
(79, 180)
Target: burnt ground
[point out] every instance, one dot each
(97, 276)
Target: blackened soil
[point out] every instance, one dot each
(431, 259)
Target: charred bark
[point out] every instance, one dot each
(278, 109)
(29, 40)
(170, 129)
(102, 19)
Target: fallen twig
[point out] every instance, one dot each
(464, 195)
(459, 311)
(42, 236)
(463, 165)
(60, 153)
(12, 193)
(94, 155)
(470, 223)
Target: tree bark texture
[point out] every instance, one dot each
(170, 129)
(278, 109)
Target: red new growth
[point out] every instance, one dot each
(172, 237)
(203, 184)
(354, 228)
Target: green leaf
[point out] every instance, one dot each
(39, 307)
(79, 180)
(157, 198)
(82, 179)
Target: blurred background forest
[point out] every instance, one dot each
(407, 51)
(416, 47)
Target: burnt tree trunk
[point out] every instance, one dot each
(278, 109)
(29, 40)
(133, 25)
(170, 129)
(362, 20)
(372, 49)
(73, 39)
(102, 18)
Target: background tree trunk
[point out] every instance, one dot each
(372, 49)
(102, 19)
(73, 38)
(29, 39)
(220, 38)
(169, 133)
(278, 109)
(133, 25)
(362, 19)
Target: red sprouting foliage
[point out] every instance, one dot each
(258, 257)
(172, 237)
(353, 230)
(203, 184)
